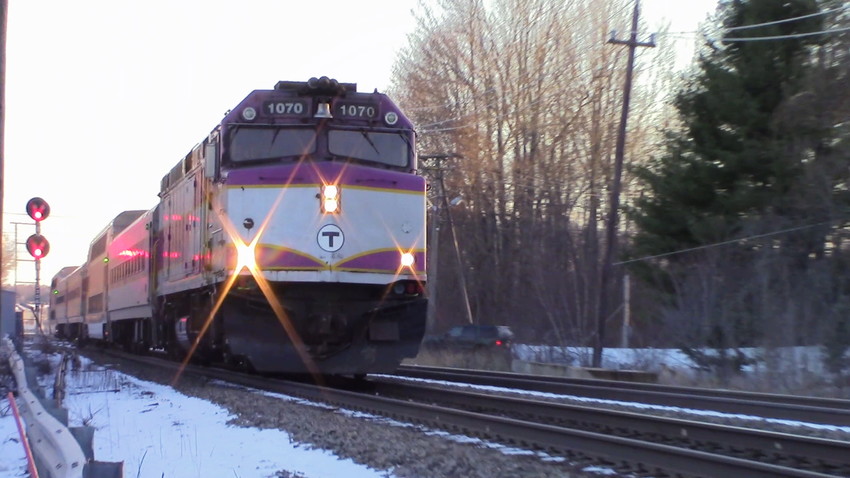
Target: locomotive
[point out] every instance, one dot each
(290, 240)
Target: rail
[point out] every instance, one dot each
(623, 453)
(786, 407)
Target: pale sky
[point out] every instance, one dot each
(103, 97)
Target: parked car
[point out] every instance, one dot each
(497, 338)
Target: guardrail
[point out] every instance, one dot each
(55, 448)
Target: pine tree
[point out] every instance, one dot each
(756, 163)
(730, 163)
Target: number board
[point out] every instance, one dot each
(346, 109)
(285, 108)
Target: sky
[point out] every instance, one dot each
(104, 97)
(158, 432)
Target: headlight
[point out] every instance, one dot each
(330, 199)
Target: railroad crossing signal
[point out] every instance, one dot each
(38, 209)
(37, 245)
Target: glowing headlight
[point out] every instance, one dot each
(330, 199)
(245, 256)
(407, 259)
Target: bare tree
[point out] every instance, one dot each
(527, 93)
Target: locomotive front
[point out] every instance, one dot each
(321, 244)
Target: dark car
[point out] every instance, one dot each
(473, 337)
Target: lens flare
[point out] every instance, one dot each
(245, 254)
(246, 259)
(407, 259)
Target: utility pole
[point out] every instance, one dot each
(445, 205)
(614, 199)
(4, 4)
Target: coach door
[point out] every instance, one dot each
(194, 199)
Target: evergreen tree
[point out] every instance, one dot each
(730, 163)
(760, 166)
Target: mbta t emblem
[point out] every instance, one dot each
(330, 238)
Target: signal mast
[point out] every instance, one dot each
(37, 245)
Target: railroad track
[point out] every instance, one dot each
(542, 426)
(783, 449)
(784, 407)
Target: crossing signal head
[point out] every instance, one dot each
(38, 246)
(38, 209)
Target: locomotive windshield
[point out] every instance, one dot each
(392, 149)
(251, 143)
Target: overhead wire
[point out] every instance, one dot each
(771, 37)
(730, 241)
(786, 20)
(783, 37)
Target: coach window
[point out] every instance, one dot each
(98, 248)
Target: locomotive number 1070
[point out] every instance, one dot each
(284, 107)
(356, 110)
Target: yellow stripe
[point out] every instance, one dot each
(369, 188)
(319, 186)
(268, 186)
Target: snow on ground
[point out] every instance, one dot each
(794, 360)
(160, 433)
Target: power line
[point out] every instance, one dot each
(757, 25)
(783, 37)
(776, 22)
(726, 243)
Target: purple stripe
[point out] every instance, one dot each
(281, 258)
(317, 173)
(273, 258)
(383, 261)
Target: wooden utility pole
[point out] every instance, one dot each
(614, 199)
(4, 8)
(445, 205)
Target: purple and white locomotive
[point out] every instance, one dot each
(291, 239)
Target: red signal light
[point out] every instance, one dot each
(498, 342)
(38, 246)
(38, 209)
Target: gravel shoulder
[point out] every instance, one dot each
(402, 450)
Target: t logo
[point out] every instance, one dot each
(330, 238)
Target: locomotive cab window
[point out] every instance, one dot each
(251, 143)
(392, 149)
